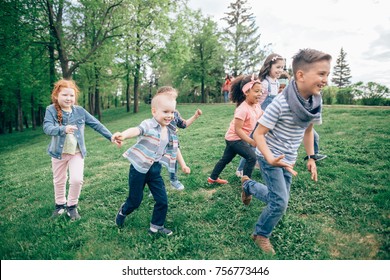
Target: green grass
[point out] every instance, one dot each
(345, 215)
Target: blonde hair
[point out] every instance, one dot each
(58, 86)
(167, 90)
(161, 96)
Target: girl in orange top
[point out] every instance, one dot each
(246, 92)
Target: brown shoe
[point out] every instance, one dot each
(264, 244)
(246, 199)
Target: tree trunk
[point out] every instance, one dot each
(136, 81)
(97, 111)
(33, 115)
(137, 72)
(91, 100)
(19, 117)
(25, 120)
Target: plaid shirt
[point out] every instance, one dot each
(143, 154)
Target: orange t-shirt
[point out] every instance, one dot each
(249, 114)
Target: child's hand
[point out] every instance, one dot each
(69, 129)
(198, 113)
(278, 162)
(186, 169)
(117, 138)
(312, 167)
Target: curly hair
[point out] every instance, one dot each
(236, 94)
(58, 86)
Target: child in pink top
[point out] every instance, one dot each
(245, 92)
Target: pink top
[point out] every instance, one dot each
(249, 114)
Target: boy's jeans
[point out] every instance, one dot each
(316, 142)
(156, 185)
(276, 194)
(173, 176)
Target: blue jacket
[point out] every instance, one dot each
(79, 117)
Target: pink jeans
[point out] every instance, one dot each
(75, 165)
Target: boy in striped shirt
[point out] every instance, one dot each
(285, 122)
(157, 145)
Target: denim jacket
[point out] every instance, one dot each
(79, 117)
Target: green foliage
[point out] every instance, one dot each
(345, 96)
(329, 95)
(343, 216)
(371, 94)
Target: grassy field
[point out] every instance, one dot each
(345, 215)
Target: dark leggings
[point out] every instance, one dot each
(232, 149)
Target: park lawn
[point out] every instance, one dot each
(345, 215)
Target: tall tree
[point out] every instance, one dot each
(206, 63)
(243, 39)
(66, 20)
(146, 34)
(341, 71)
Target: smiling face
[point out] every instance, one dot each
(252, 96)
(66, 98)
(163, 108)
(276, 69)
(313, 78)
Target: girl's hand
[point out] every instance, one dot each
(69, 129)
(312, 167)
(198, 113)
(117, 138)
(278, 162)
(186, 169)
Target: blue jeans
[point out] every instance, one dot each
(226, 96)
(173, 176)
(137, 182)
(316, 142)
(275, 194)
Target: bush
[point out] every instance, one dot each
(375, 101)
(328, 95)
(344, 96)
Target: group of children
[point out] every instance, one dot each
(270, 136)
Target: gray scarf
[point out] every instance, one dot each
(301, 115)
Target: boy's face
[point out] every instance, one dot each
(163, 111)
(312, 80)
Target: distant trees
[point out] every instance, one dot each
(242, 39)
(341, 71)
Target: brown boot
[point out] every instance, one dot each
(264, 244)
(246, 199)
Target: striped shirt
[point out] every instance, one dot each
(284, 136)
(145, 152)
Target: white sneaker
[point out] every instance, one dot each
(239, 173)
(177, 185)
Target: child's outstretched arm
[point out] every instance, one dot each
(197, 114)
(308, 143)
(182, 163)
(131, 132)
(261, 144)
